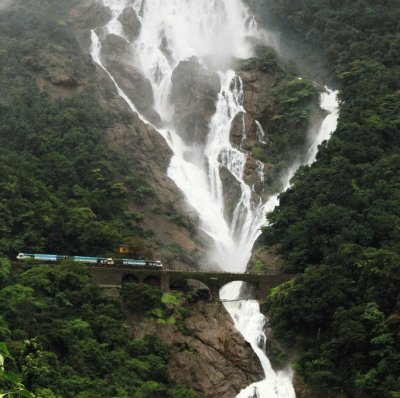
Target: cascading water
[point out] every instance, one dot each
(214, 31)
(208, 29)
(251, 323)
(246, 313)
(329, 103)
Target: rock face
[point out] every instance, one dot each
(114, 49)
(194, 93)
(130, 23)
(260, 107)
(137, 87)
(176, 241)
(258, 100)
(210, 356)
(170, 226)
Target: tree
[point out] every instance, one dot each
(10, 385)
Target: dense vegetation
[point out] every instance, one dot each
(338, 225)
(65, 339)
(61, 189)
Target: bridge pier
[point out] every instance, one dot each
(214, 290)
(165, 283)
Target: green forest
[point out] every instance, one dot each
(338, 226)
(62, 189)
(62, 338)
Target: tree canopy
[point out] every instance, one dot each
(338, 224)
(65, 339)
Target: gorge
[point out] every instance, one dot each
(174, 128)
(156, 41)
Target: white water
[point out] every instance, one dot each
(246, 313)
(329, 103)
(218, 30)
(251, 324)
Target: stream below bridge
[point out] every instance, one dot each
(161, 36)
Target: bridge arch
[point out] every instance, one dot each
(130, 278)
(152, 280)
(188, 285)
(236, 290)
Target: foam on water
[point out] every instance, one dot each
(214, 31)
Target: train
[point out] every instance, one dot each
(92, 260)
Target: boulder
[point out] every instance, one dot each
(131, 24)
(207, 353)
(115, 50)
(194, 93)
(137, 87)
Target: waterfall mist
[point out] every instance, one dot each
(5, 3)
(214, 31)
(204, 35)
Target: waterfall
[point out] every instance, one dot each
(329, 103)
(216, 32)
(251, 323)
(246, 313)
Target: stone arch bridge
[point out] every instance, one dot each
(112, 279)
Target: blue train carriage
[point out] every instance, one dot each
(93, 260)
(41, 257)
(138, 263)
(56, 258)
(154, 264)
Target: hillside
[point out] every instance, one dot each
(81, 173)
(337, 225)
(66, 339)
(78, 172)
(187, 183)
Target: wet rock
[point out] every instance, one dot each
(232, 191)
(259, 107)
(136, 86)
(238, 130)
(130, 23)
(194, 93)
(210, 355)
(258, 103)
(115, 48)
(164, 48)
(243, 132)
(252, 172)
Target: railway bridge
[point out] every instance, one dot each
(112, 279)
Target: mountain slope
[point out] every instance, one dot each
(338, 225)
(79, 170)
